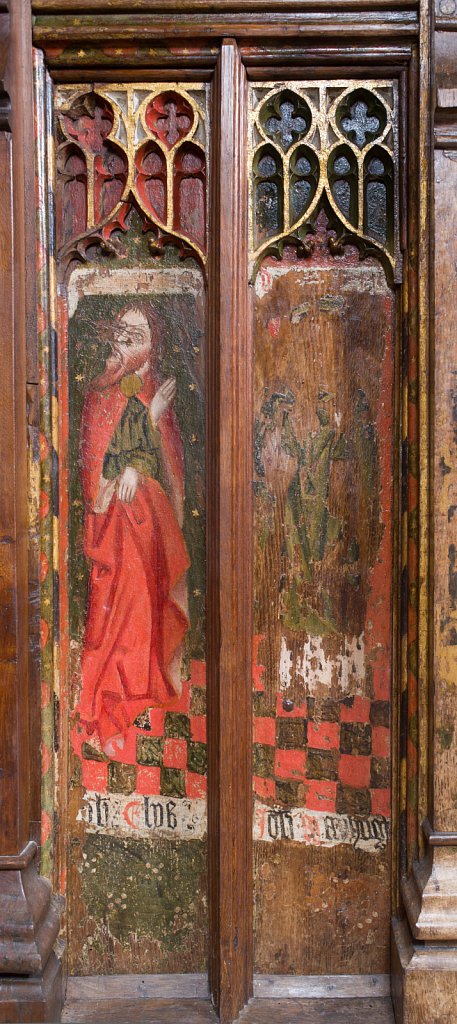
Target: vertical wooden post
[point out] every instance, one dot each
(432, 907)
(30, 986)
(229, 483)
(424, 951)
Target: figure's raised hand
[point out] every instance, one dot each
(163, 399)
(128, 483)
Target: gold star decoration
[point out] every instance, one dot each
(195, 513)
(197, 592)
(192, 387)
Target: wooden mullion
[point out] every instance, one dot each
(14, 702)
(229, 481)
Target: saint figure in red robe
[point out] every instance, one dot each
(132, 476)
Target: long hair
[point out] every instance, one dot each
(115, 368)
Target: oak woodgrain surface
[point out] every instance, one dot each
(331, 915)
(260, 1011)
(161, 26)
(381, 31)
(146, 1011)
(172, 6)
(317, 1011)
(445, 575)
(229, 526)
(28, 924)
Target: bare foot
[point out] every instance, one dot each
(113, 745)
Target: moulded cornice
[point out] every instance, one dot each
(73, 22)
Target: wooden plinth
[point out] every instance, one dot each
(30, 973)
(424, 979)
(32, 998)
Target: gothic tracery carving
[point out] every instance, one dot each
(129, 146)
(325, 144)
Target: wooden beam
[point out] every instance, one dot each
(98, 30)
(214, 6)
(229, 530)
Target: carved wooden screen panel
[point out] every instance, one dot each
(341, 359)
(123, 344)
(324, 253)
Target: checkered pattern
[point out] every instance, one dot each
(326, 755)
(164, 752)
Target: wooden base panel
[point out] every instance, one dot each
(318, 1011)
(32, 999)
(424, 980)
(259, 1011)
(324, 986)
(148, 1011)
(334, 944)
(111, 987)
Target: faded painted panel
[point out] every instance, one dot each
(128, 445)
(137, 907)
(324, 434)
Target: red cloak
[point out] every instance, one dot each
(134, 626)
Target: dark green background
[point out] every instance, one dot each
(182, 332)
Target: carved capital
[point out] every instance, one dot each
(446, 86)
(446, 119)
(445, 14)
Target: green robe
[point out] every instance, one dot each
(135, 443)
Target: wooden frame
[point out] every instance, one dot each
(30, 921)
(395, 36)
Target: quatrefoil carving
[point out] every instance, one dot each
(286, 118)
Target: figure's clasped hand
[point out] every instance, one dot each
(163, 399)
(128, 483)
